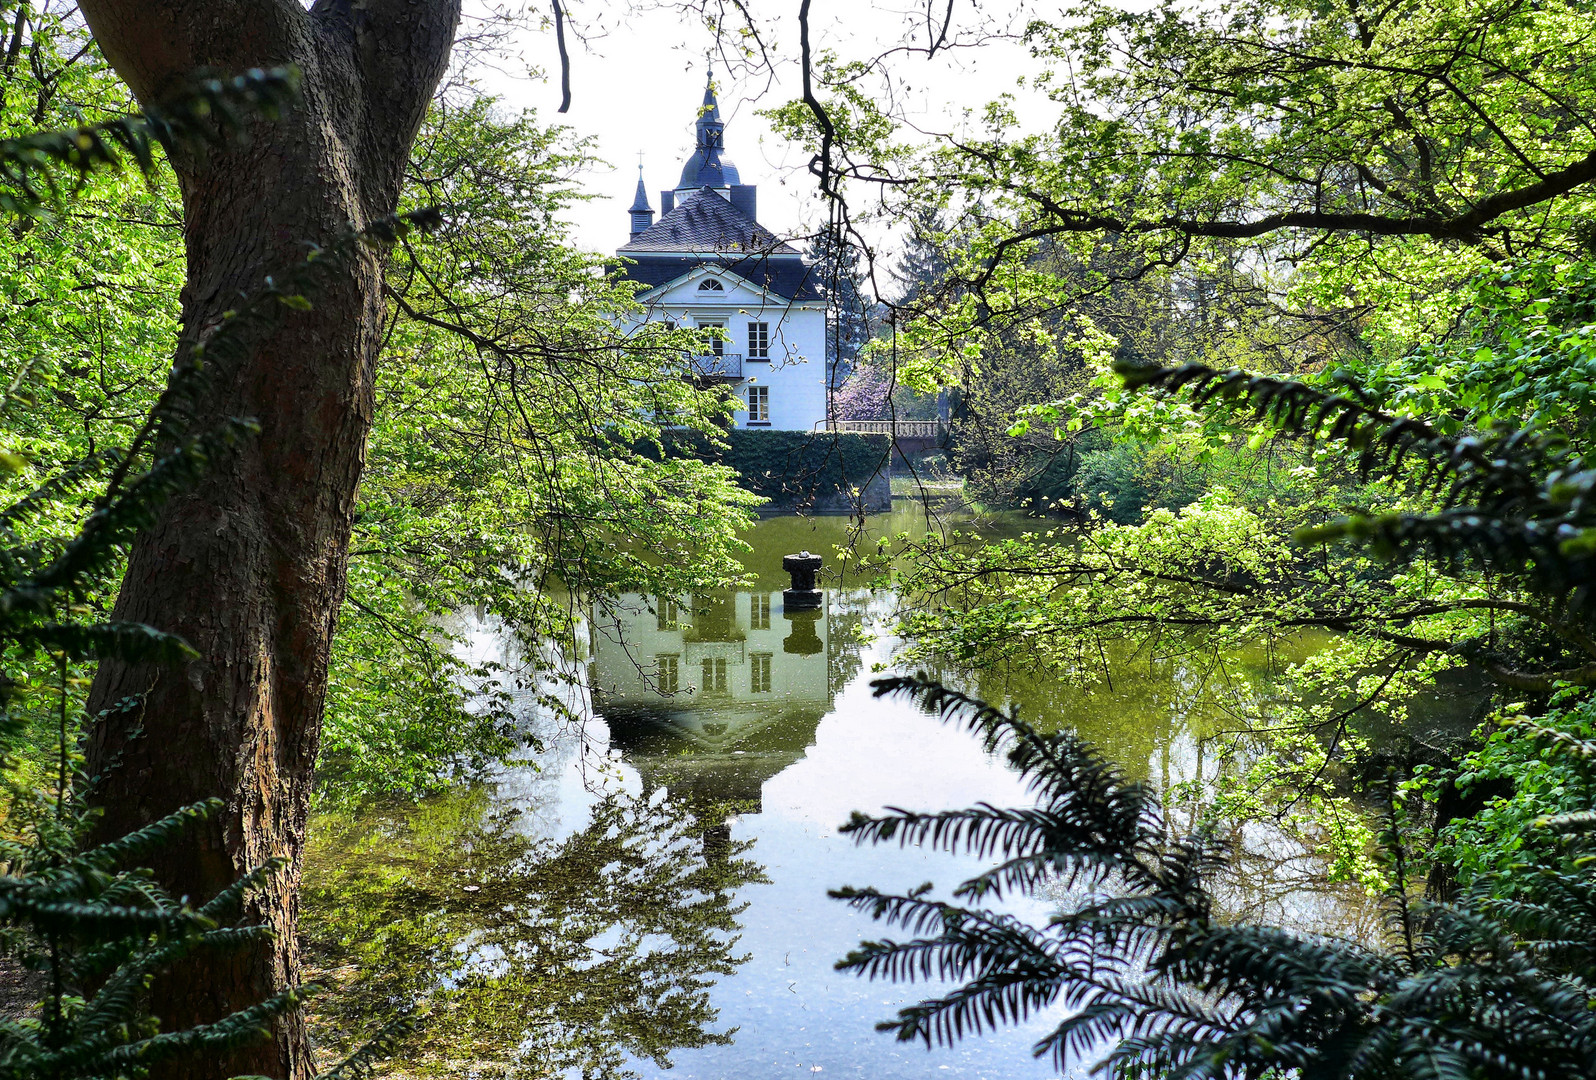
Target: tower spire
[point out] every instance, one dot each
(711, 130)
(710, 112)
(642, 213)
(707, 167)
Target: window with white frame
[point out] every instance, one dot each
(759, 341)
(667, 614)
(714, 675)
(759, 611)
(710, 285)
(668, 673)
(759, 673)
(759, 404)
(717, 344)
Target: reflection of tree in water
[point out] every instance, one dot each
(1140, 711)
(1177, 721)
(846, 611)
(529, 957)
(1274, 881)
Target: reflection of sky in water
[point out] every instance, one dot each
(793, 1010)
(792, 744)
(847, 751)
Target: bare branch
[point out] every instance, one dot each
(565, 57)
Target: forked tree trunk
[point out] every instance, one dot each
(249, 566)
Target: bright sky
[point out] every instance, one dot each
(638, 80)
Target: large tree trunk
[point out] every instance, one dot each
(249, 566)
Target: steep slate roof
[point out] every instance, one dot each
(640, 201)
(706, 222)
(786, 275)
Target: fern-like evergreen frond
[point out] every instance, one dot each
(1487, 989)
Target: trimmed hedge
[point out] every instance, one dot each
(786, 466)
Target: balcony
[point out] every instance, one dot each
(717, 365)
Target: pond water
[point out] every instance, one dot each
(648, 891)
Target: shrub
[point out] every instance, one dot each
(786, 466)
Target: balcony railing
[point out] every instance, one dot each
(718, 365)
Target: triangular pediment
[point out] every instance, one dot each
(687, 290)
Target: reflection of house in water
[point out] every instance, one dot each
(710, 696)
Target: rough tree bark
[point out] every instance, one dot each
(250, 566)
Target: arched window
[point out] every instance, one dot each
(710, 285)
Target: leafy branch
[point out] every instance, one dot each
(1518, 501)
(32, 167)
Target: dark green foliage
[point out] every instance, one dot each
(1124, 479)
(1113, 481)
(1519, 501)
(1484, 989)
(788, 467)
(1121, 480)
(97, 933)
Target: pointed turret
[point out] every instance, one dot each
(708, 167)
(710, 128)
(642, 213)
(706, 171)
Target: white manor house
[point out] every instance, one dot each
(708, 262)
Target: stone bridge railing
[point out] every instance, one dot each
(898, 429)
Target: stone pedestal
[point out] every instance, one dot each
(803, 595)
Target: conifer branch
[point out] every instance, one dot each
(33, 167)
(1156, 987)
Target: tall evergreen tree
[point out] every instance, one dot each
(925, 261)
(848, 304)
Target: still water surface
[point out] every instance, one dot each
(652, 895)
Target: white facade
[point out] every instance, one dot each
(773, 356)
(708, 262)
(715, 670)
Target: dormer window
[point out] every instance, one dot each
(710, 285)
